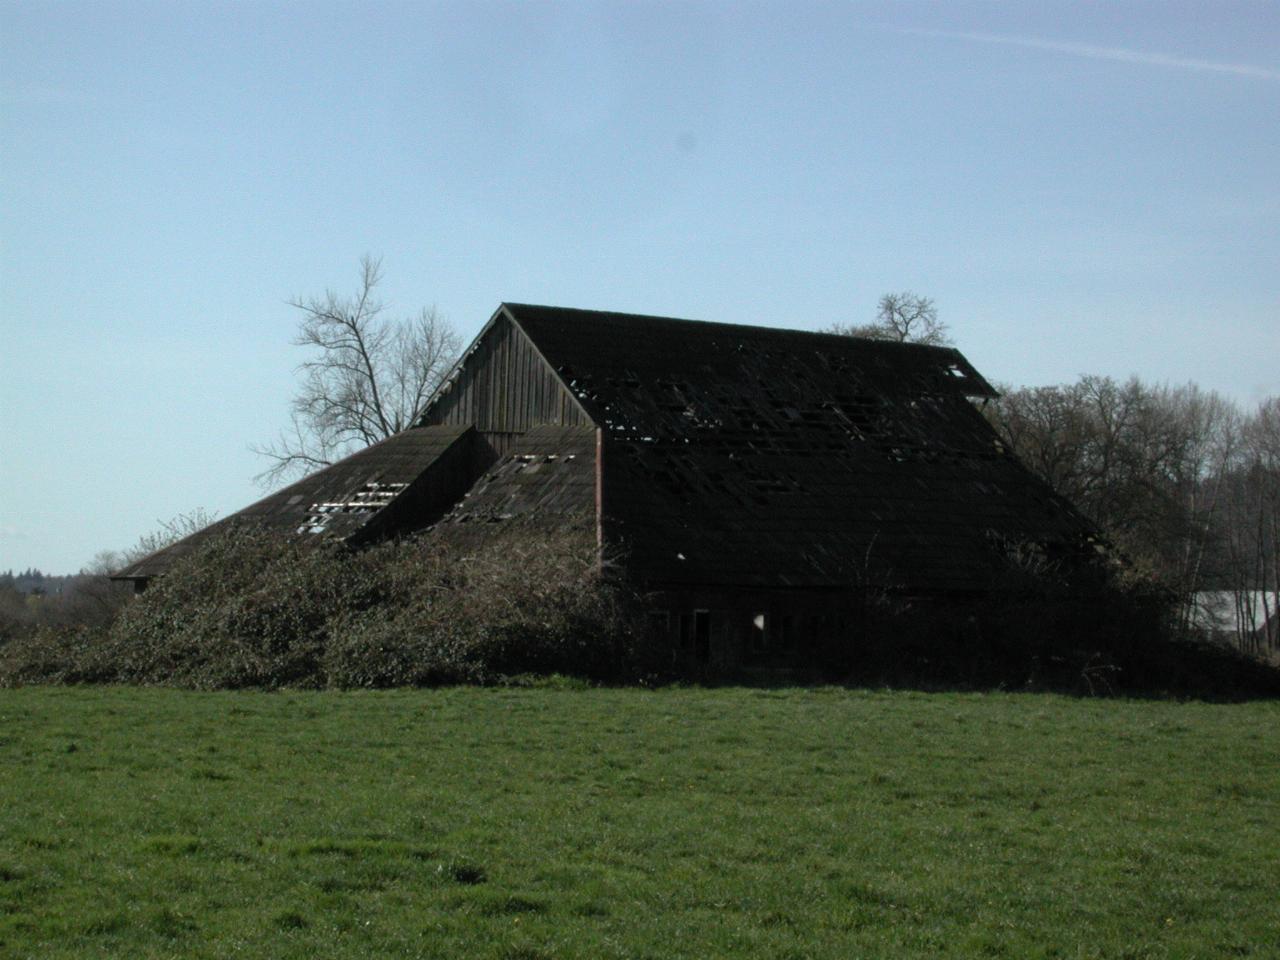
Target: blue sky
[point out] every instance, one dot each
(1080, 187)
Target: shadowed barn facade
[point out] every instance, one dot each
(755, 482)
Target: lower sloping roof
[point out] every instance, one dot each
(837, 519)
(814, 480)
(346, 499)
(548, 478)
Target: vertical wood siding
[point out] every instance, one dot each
(504, 388)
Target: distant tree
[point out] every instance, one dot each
(90, 598)
(903, 318)
(167, 532)
(368, 377)
(95, 599)
(1251, 526)
(1185, 484)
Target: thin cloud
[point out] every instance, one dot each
(1116, 54)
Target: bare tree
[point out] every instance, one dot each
(368, 377)
(167, 532)
(903, 318)
(1252, 530)
(1177, 477)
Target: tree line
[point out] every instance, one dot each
(1184, 483)
(32, 599)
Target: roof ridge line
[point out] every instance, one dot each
(511, 307)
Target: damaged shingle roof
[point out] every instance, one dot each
(548, 476)
(338, 502)
(649, 353)
(763, 457)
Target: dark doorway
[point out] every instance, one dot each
(702, 635)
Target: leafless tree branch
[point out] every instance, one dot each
(902, 318)
(367, 377)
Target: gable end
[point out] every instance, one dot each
(504, 386)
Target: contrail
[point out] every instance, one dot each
(1118, 54)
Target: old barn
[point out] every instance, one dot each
(754, 481)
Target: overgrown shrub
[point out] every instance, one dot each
(250, 609)
(246, 609)
(515, 603)
(54, 654)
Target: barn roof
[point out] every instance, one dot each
(340, 501)
(601, 345)
(728, 455)
(752, 456)
(548, 476)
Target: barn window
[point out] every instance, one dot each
(695, 635)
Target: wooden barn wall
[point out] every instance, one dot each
(504, 388)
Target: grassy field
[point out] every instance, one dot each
(526, 823)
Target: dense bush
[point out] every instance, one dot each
(1111, 639)
(503, 606)
(249, 609)
(54, 654)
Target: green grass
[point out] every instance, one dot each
(527, 823)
